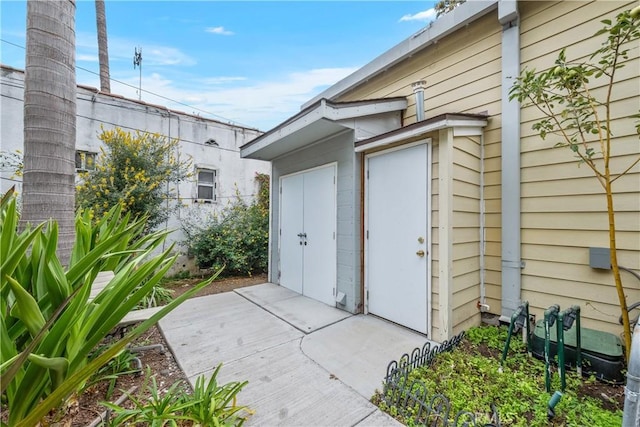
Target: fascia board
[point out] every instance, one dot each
(471, 127)
(342, 112)
(277, 134)
(323, 110)
(443, 26)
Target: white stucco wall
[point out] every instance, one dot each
(96, 110)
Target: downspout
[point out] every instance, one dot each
(483, 306)
(511, 240)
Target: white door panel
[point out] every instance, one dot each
(397, 232)
(319, 226)
(291, 226)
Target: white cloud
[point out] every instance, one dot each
(260, 105)
(121, 49)
(86, 57)
(425, 15)
(221, 80)
(219, 30)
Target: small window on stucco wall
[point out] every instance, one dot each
(85, 161)
(206, 186)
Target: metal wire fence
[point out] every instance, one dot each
(413, 401)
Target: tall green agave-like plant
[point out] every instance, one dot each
(48, 325)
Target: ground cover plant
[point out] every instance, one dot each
(471, 378)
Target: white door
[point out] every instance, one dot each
(291, 227)
(307, 239)
(397, 227)
(319, 247)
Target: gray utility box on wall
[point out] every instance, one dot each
(600, 258)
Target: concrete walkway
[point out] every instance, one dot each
(307, 364)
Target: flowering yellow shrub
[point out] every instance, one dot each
(138, 171)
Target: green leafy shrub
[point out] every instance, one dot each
(136, 171)
(210, 404)
(49, 328)
(237, 237)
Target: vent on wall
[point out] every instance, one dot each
(211, 141)
(418, 91)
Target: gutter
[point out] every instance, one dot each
(448, 23)
(511, 239)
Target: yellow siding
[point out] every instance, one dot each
(466, 231)
(563, 205)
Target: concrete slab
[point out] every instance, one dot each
(379, 419)
(305, 314)
(137, 316)
(205, 331)
(323, 377)
(286, 388)
(357, 350)
(266, 293)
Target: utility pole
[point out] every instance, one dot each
(137, 61)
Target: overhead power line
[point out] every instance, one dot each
(217, 116)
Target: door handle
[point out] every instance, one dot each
(303, 236)
(420, 253)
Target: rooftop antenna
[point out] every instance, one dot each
(137, 61)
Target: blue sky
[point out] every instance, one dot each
(253, 63)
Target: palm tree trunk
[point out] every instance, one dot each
(103, 49)
(50, 119)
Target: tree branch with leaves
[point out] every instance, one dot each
(565, 96)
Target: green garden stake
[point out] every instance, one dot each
(560, 349)
(566, 320)
(576, 309)
(551, 405)
(520, 318)
(550, 316)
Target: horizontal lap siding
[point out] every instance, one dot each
(563, 206)
(466, 232)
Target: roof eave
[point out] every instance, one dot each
(321, 111)
(463, 124)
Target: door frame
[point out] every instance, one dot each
(429, 145)
(333, 165)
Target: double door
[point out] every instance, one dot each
(308, 233)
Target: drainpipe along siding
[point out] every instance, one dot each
(511, 241)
